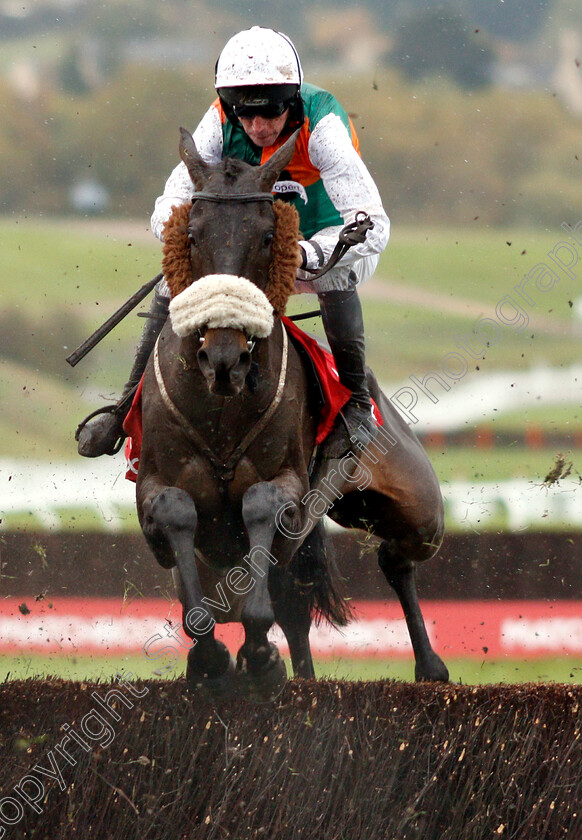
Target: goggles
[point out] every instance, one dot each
(269, 111)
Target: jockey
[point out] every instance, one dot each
(261, 100)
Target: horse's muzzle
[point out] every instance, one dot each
(225, 361)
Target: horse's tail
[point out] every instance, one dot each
(315, 573)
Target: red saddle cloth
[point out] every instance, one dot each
(335, 396)
(132, 428)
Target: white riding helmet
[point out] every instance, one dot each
(258, 56)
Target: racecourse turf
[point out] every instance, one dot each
(465, 671)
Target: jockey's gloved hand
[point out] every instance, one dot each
(312, 255)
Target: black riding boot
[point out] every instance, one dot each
(104, 435)
(344, 327)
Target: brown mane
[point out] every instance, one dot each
(281, 285)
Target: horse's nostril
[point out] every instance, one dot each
(205, 365)
(245, 358)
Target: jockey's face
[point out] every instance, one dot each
(262, 130)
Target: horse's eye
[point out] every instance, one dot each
(268, 238)
(191, 238)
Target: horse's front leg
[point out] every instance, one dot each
(169, 524)
(258, 660)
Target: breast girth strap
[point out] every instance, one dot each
(224, 467)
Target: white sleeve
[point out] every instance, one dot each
(179, 187)
(350, 187)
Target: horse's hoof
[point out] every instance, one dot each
(432, 670)
(263, 684)
(220, 687)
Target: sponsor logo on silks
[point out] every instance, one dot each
(285, 187)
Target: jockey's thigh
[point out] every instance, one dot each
(342, 278)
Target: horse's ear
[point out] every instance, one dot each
(197, 167)
(271, 170)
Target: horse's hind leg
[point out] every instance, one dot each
(304, 588)
(292, 606)
(400, 574)
(169, 519)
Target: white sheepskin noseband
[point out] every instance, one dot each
(222, 301)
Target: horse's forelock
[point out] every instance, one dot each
(233, 168)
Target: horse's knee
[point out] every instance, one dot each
(172, 509)
(264, 506)
(261, 501)
(166, 516)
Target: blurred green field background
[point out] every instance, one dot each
(65, 278)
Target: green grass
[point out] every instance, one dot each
(478, 265)
(404, 339)
(38, 414)
(43, 49)
(76, 275)
(552, 418)
(482, 465)
(81, 520)
(80, 269)
(411, 337)
(467, 671)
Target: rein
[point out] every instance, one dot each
(224, 467)
(350, 235)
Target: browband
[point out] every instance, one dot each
(217, 197)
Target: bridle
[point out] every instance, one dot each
(225, 467)
(352, 234)
(218, 198)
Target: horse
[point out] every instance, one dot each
(225, 497)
